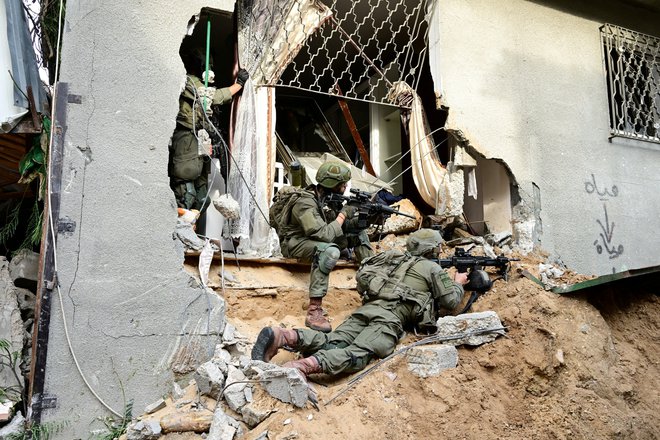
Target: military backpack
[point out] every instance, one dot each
(280, 211)
(381, 276)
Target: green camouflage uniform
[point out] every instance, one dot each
(188, 170)
(312, 238)
(375, 328)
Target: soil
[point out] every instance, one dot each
(584, 366)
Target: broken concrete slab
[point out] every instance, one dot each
(185, 233)
(159, 404)
(24, 269)
(254, 413)
(210, 379)
(431, 360)
(235, 387)
(285, 384)
(13, 429)
(143, 430)
(223, 427)
(470, 323)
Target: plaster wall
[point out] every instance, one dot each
(525, 82)
(129, 305)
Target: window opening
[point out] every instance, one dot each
(632, 64)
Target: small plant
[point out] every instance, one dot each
(39, 432)
(9, 359)
(116, 427)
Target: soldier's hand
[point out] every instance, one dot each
(242, 77)
(461, 278)
(349, 211)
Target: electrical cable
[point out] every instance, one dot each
(50, 217)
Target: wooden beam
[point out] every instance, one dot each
(354, 132)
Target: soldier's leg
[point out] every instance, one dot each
(311, 341)
(201, 187)
(361, 246)
(378, 339)
(184, 192)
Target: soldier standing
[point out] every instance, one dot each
(399, 290)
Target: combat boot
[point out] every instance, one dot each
(307, 366)
(315, 319)
(271, 339)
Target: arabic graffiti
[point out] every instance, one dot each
(605, 244)
(591, 187)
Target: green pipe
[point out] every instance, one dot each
(208, 49)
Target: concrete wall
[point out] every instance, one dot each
(525, 82)
(130, 307)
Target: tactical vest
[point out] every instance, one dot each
(280, 211)
(381, 277)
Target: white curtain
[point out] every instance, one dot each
(431, 178)
(270, 34)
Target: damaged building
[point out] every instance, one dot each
(538, 120)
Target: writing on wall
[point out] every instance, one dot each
(605, 242)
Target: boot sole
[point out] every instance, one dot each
(264, 340)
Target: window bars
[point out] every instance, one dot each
(632, 63)
(356, 49)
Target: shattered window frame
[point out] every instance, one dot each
(632, 66)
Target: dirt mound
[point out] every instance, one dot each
(570, 367)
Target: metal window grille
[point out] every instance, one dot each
(632, 63)
(358, 50)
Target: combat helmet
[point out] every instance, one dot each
(331, 174)
(422, 241)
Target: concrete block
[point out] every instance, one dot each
(24, 269)
(285, 384)
(255, 413)
(159, 404)
(143, 430)
(223, 427)
(470, 323)
(430, 361)
(235, 390)
(185, 233)
(210, 379)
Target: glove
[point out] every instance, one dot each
(242, 77)
(349, 211)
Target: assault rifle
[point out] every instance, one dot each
(369, 211)
(462, 260)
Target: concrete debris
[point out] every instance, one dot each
(11, 324)
(185, 233)
(223, 427)
(500, 239)
(469, 323)
(227, 206)
(26, 301)
(398, 224)
(221, 357)
(229, 335)
(24, 269)
(430, 361)
(143, 430)
(480, 246)
(177, 392)
(548, 272)
(285, 384)
(263, 436)
(288, 436)
(287, 422)
(210, 379)
(6, 410)
(254, 413)
(235, 387)
(159, 404)
(15, 428)
(227, 275)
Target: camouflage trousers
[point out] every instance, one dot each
(371, 331)
(189, 172)
(316, 252)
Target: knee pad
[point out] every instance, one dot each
(327, 257)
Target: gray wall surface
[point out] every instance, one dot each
(130, 307)
(525, 82)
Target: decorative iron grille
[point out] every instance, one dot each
(355, 49)
(632, 62)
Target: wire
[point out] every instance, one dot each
(50, 216)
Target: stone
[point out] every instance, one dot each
(193, 420)
(263, 436)
(229, 334)
(177, 392)
(26, 301)
(429, 361)
(185, 233)
(285, 384)
(469, 323)
(143, 430)
(159, 404)
(24, 269)
(253, 414)
(210, 379)
(399, 224)
(223, 427)
(234, 389)
(15, 428)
